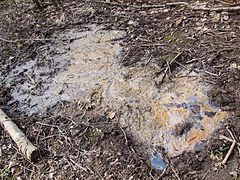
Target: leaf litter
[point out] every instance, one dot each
(103, 143)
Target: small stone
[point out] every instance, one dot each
(111, 115)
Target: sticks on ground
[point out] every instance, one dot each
(217, 9)
(168, 67)
(228, 8)
(39, 39)
(234, 142)
(229, 152)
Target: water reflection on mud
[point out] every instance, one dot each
(177, 117)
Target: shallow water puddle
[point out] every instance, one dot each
(177, 117)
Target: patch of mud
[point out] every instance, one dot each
(36, 86)
(177, 117)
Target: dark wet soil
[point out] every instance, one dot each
(181, 128)
(74, 142)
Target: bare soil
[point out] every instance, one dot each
(74, 142)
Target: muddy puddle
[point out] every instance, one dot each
(177, 116)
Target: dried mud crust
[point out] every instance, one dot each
(76, 144)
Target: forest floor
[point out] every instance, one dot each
(100, 149)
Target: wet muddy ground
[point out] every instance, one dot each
(114, 91)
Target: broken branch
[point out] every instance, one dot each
(229, 8)
(227, 139)
(229, 152)
(216, 9)
(25, 146)
(39, 39)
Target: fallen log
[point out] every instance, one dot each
(25, 146)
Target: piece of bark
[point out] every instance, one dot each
(25, 146)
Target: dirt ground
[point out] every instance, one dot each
(74, 142)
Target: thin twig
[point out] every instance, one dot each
(208, 81)
(78, 165)
(50, 125)
(205, 174)
(168, 66)
(235, 4)
(169, 69)
(175, 57)
(229, 152)
(169, 163)
(39, 39)
(163, 5)
(211, 73)
(172, 62)
(174, 172)
(222, 137)
(139, 7)
(126, 141)
(193, 60)
(223, 3)
(125, 56)
(150, 44)
(54, 135)
(216, 9)
(168, 4)
(164, 171)
(232, 134)
(189, 69)
(148, 60)
(150, 173)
